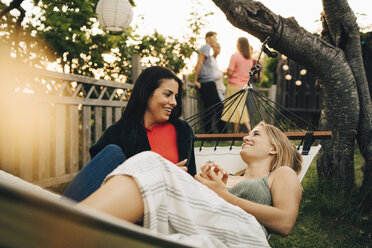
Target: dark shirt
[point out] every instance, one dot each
(132, 138)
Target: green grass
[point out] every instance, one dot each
(328, 218)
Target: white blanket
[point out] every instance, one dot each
(179, 206)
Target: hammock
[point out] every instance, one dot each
(31, 216)
(229, 157)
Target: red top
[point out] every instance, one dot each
(163, 140)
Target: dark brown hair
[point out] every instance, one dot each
(147, 82)
(244, 48)
(210, 33)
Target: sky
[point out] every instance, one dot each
(169, 17)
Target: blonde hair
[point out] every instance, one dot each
(287, 154)
(244, 47)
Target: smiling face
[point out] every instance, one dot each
(161, 103)
(257, 146)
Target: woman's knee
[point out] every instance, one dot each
(113, 148)
(113, 151)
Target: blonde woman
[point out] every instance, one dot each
(238, 75)
(215, 210)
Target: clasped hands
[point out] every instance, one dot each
(214, 177)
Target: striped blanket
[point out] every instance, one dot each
(179, 206)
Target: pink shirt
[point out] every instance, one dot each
(240, 67)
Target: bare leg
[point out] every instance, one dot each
(248, 126)
(119, 197)
(235, 127)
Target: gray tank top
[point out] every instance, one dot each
(256, 190)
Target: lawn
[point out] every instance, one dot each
(329, 219)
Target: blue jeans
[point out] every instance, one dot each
(91, 176)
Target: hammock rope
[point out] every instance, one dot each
(277, 113)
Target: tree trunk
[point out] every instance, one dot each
(344, 31)
(335, 167)
(340, 112)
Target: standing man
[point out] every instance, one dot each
(205, 82)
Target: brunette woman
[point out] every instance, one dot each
(150, 122)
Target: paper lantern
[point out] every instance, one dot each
(114, 15)
(298, 82)
(288, 77)
(285, 67)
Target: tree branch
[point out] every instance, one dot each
(305, 48)
(15, 4)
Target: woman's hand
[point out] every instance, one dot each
(182, 164)
(218, 170)
(214, 177)
(229, 72)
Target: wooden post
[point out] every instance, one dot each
(73, 141)
(185, 99)
(117, 114)
(26, 135)
(136, 66)
(97, 123)
(5, 110)
(60, 112)
(86, 133)
(108, 113)
(44, 141)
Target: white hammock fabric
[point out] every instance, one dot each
(230, 159)
(31, 216)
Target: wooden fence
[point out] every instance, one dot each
(190, 100)
(49, 120)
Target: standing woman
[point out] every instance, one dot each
(150, 122)
(238, 75)
(218, 74)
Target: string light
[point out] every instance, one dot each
(286, 68)
(303, 72)
(288, 76)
